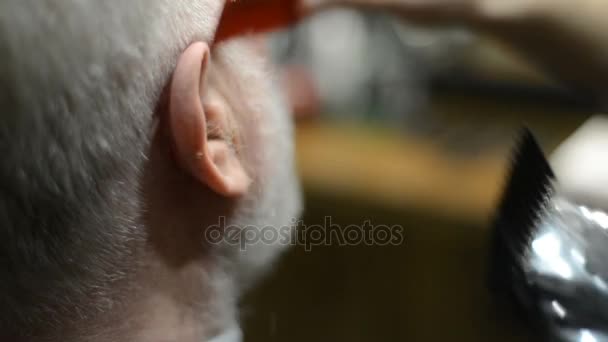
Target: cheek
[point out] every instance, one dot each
(253, 147)
(253, 129)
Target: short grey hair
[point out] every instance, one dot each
(79, 84)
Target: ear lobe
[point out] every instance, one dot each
(210, 158)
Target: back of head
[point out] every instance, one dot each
(79, 82)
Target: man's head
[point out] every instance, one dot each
(124, 138)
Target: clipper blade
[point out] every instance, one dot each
(529, 186)
(548, 253)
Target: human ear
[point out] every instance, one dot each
(201, 134)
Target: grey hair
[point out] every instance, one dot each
(79, 82)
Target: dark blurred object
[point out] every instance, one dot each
(549, 255)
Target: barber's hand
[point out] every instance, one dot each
(541, 29)
(581, 164)
(245, 16)
(429, 11)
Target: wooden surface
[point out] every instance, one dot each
(399, 172)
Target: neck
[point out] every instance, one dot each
(186, 304)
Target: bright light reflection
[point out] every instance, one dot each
(547, 246)
(562, 268)
(559, 310)
(598, 217)
(587, 336)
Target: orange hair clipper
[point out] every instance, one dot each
(254, 16)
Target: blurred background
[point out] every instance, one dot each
(400, 125)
